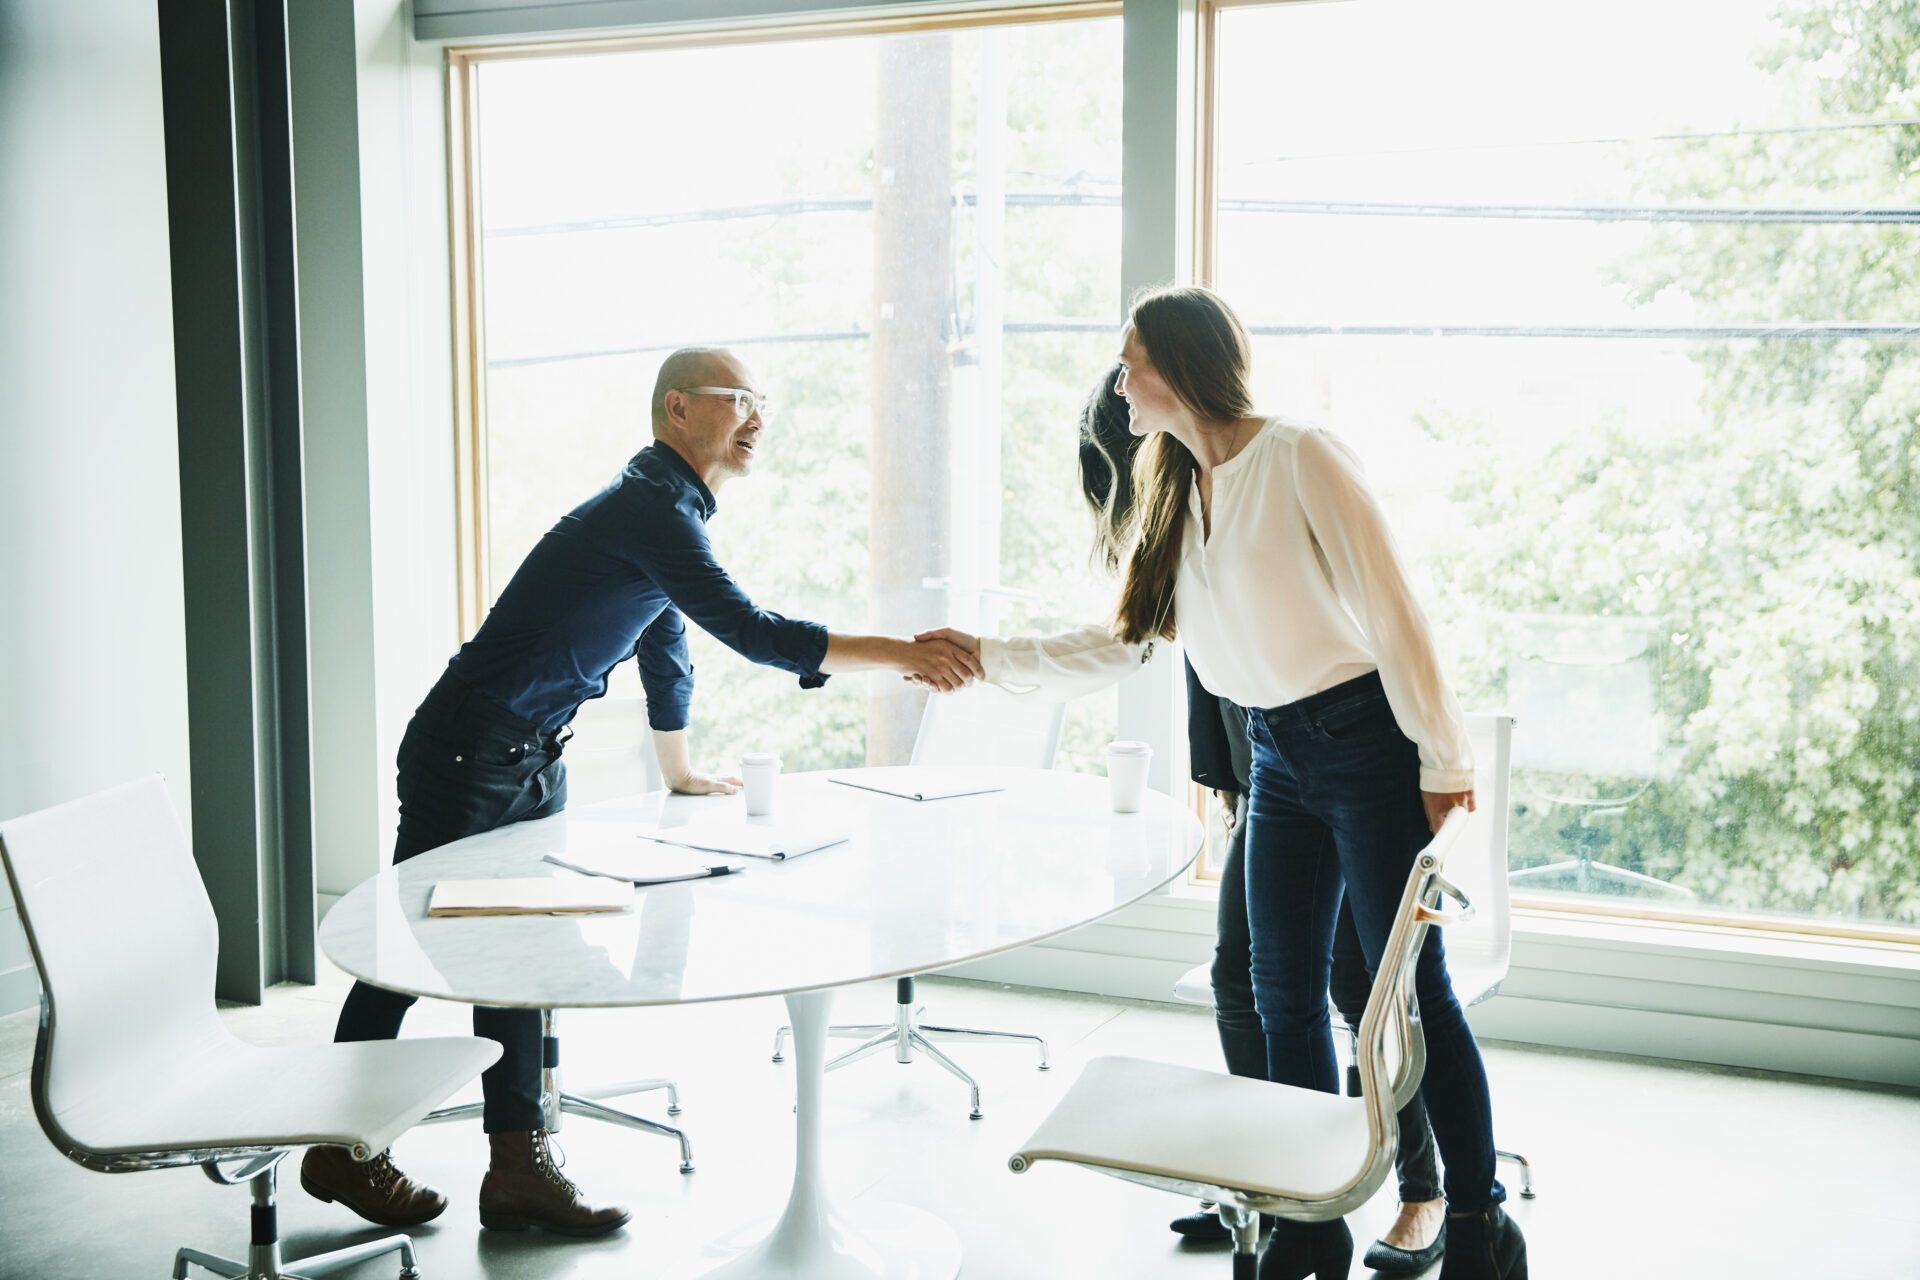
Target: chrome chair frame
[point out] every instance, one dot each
(556, 1102)
(1393, 1014)
(257, 1171)
(906, 1033)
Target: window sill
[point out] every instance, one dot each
(1730, 996)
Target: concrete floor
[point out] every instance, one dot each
(1645, 1169)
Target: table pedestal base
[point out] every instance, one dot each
(817, 1238)
(860, 1240)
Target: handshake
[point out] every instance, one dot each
(944, 659)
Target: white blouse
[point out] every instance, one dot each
(1298, 588)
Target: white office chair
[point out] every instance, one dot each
(133, 1068)
(981, 724)
(1478, 950)
(1249, 1146)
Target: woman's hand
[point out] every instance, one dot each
(1229, 807)
(938, 663)
(947, 645)
(1441, 803)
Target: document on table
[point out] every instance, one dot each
(750, 839)
(562, 895)
(913, 782)
(640, 866)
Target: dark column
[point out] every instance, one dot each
(913, 307)
(237, 382)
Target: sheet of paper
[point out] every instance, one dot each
(642, 866)
(542, 895)
(913, 782)
(776, 840)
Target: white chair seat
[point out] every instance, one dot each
(359, 1095)
(1195, 986)
(1202, 1127)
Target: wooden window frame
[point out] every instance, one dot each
(464, 179)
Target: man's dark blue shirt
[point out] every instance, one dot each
(616, 578)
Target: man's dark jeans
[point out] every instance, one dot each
(1244, 1043)
(469, 765)
(1336, 807)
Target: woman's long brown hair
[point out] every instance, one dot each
(1201, 351)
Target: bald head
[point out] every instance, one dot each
(691, 367)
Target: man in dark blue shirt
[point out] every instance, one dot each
(617, 577)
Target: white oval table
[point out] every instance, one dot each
(920, 885)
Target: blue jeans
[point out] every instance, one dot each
(1336, 807)
(469, 765)
(1243, 1040)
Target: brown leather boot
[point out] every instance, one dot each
(525, 1188)
(375, 1190)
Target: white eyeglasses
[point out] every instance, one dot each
(745, 403)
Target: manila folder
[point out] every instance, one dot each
(541, 895)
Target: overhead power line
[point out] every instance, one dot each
(1757, 214)
(1523, 144)
(1751, 332)
(1739, 332)
(1661, 213)
(788, 208)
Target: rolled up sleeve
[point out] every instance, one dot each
(666, 671)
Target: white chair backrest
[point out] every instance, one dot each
(1391, 1051)
(121, 932)
(1483, 944)
(983, 724)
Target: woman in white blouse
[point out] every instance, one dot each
(1262, 542)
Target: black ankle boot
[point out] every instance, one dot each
(1297, 1250)
(1484, 1246)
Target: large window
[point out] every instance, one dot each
(912, 238)
(1618, 303)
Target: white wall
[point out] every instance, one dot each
(410, 423)
(92, 633)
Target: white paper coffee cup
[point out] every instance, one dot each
(1127, 774)
(758, 769)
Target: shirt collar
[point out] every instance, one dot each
(671, 456)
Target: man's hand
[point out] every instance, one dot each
(704, 784)
(938, 663)
(670, 748)
(1440, 803)
(967, 645)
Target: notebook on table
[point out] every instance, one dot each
(778, 840)
(914, 782)
(568, 895)
(640, 867)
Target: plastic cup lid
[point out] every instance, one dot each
(760, 757)
(1123, 747)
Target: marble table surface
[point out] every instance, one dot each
(920, 885)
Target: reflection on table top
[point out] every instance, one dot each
(921, 885)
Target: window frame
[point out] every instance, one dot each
(1545, 907)
(464, 180)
